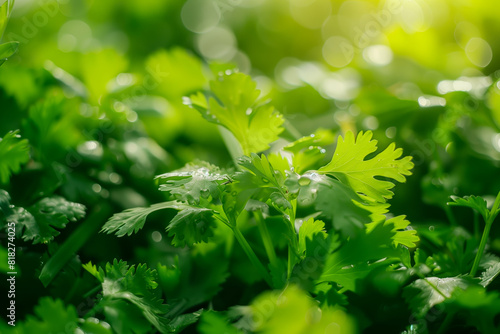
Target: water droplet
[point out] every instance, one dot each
(431, 228)
(156, 236)
(265, 180)
(314, 177)
(304, 181)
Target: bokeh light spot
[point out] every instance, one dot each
(312, 13)
(218, 43)
(378, 55)
(200, 15)
(74, 35)
(338, 51)
(479, 52)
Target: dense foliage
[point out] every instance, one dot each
(235, 166)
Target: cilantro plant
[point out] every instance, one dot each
(330, 218)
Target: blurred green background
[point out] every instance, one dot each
(420, 73)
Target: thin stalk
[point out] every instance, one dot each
(251, 255)
(92, 291)
(484, 238)
(72, 291)
(480, 250)
(495, 207)
(74, 242)
(232, 144)
(291, 258)
(292, 130)
(342, 290)
(446, 323)
(476, 224)
(291, 252)
(266, 238)
(450, 216)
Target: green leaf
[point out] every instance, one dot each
(191, 226)
(40, 221)
(490, 274)
(5, 207)
(214, 322)
(459, 249)
(264, 173)
(425, 293)
(336, 202)
(478, 307)
(293, 311)
(134, 285)
(7, 50)
(132, 220)
(320, 137)
(196, 278)
(307, 151)
(193, 181)
(180, 322)
(402, 235)
(5, 11)
(73, 243)
(327, 294)
(176, 72)
(58, 205)
(13, 153)
(312, 250)
(236, 108)
(359, 256)
(259, 180)
(307, 231)
(51, 316)
(52, 128)
(349, 166)
(475, 202)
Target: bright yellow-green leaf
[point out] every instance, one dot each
(350, 167)
(236, 108)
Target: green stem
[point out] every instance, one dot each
(450, 216)
(495, 207)
(251, 255)
(476, 225)
(290, 262)
(342, 290)
(75, 241)
(72, 291)
(484, 238)
(291, 252)
(292, 130)
(92, 291)
(480, 250)
(232, 144)
(446, 323)
(266, 238)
